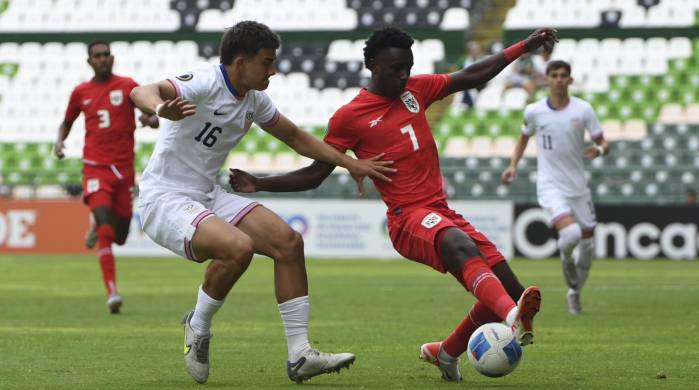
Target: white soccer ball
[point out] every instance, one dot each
(493, 350)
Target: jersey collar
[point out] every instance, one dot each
(230, 86)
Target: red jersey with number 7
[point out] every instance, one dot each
(371, 124)
(109, 120)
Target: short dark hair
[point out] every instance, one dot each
(557, 64)
(384, 38)
(248, 38)
(93, 44)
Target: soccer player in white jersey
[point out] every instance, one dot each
(559, 123)
(182, 209)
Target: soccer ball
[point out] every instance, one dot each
(493, 350)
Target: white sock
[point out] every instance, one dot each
(512, 316)
(295, 317)
(203, 312)
(584, 253)
(568, 238)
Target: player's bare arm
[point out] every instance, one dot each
(600, 148)
(303, 179)
(510, 173)
(484, 70)
(161, 99)
(63, 131)
(309, 146)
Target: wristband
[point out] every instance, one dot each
(157, 109)
(600, 149)
(513, 52)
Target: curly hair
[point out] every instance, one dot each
(246, 38)
(384, 38)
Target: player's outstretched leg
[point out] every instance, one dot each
(274, 238)
(434, 353)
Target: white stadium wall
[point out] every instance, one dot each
(348, 228)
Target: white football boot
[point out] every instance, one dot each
(196, 351)
(573, 299)
(314, 362)
(114, 303)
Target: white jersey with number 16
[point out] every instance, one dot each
(190, 153)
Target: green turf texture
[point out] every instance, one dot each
(640, 323)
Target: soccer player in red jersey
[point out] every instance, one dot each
(389, 117)
(108, 155)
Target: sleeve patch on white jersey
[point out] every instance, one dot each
(431, 220)
(185, 77)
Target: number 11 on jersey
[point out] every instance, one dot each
(409, 130)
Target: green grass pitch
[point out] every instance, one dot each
(638, 331)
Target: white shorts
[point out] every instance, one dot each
(557, 206)
(171, 219)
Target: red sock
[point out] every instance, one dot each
(105, 237)
(457, 342)
(480, 280)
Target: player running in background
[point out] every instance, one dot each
(390, 116)
(183, 209)
(108, 156)
(559, 122)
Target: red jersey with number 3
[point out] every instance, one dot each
(109, 120)
(371, 124)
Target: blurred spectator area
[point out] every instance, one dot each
(214, 15)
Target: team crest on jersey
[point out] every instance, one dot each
(577, 124)
(185, 77)
(93, 185)
(249, 115)
(410, 102)
(431, 220)
(116, 97)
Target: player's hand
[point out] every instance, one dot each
(592, 152)
(242, 181)
(545, 37)
(148, 120)
(177, 109)
(58, 149)
(508, 175)
(373, 167)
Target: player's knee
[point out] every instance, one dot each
(289, 246)
(467, 248)
(569, 236)
(105, 234)
(238, 249)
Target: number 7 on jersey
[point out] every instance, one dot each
(409, 130)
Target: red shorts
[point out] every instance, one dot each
(107, 185)
(414, 235)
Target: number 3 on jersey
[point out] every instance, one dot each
(104, 119)
(210, 138)
(413, 138)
